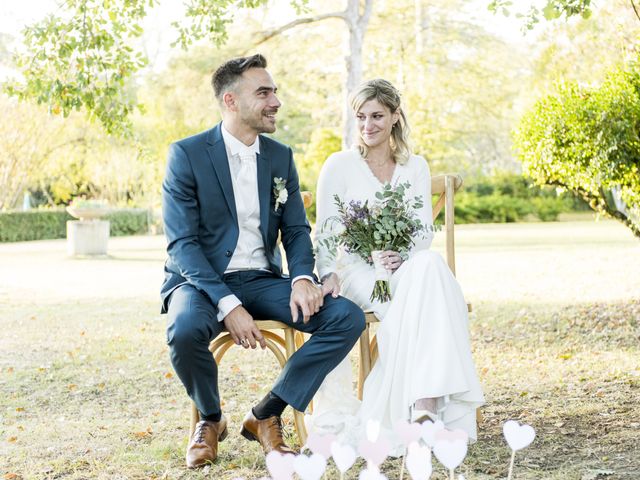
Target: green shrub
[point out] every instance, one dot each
(33, 225)
(494, 208)
(131, 221)
(51, 224)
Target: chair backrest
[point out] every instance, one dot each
(445, 186)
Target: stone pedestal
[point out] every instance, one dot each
(87, 237)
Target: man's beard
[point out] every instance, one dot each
(260, 124)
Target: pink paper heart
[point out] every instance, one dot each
(408, 432)
(321, 444)
(343, 455)
(429, 430)
(452, 435)
(371, 473)
(419, 462)
(518, 436)
(450, 453)
(374, 452)
(280, 466)
(310, 468)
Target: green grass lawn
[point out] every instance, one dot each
(87, 390)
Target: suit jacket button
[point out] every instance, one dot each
(228, 253)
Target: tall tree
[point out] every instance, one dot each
(356, 15)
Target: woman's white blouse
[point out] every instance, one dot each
(347, 175)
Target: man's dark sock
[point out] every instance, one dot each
(214, 417)
(269, 406)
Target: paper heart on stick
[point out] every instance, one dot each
(408, 432)
(321, 444)
(280, 466)
(429, 430)
(374, 452)
(371, 473)
(344, 456)
(450, 453)
(518, 436)
(419, 462)
(310, 468)
(452, 435)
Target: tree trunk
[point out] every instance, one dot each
(357, 23)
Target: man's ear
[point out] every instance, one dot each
(229, 101)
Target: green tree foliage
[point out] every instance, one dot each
(83, 59)
(324, 142)
(585, 139)
(551, 10)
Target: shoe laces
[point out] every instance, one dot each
(277, 421)
(199, 431)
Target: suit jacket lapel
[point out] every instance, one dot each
(218, 156)
(264, 189)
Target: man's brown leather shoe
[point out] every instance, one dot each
(268, 432)
(203, 446)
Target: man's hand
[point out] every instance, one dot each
(307, 297)
(391, 260)
(331, 285)
(243, 328)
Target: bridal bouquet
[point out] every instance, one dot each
(390, 223)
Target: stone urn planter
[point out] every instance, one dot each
(88, 235)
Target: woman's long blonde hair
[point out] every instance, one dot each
(387, 95)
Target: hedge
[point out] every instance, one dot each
(50, 224)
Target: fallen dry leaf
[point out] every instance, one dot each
(140, 435)
(168, 375)
(20, 409)
(12, 439)
(12, 476)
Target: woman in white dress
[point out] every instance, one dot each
(424, 369)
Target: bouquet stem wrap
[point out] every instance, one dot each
(381, 288)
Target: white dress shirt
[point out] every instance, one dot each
(249, 253)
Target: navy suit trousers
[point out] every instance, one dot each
(192, 324)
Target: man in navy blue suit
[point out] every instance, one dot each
(227, 195)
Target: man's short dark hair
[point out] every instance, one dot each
(229, 72)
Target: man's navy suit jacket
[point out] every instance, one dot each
(200, 219)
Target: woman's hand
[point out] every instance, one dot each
(391, 260)
(331, 285)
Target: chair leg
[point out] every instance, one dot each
(365, 360)
(195, 418)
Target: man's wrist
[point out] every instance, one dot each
(303, 277)
(226, 304)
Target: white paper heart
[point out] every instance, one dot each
(373, 430)
(450, 454)
(518, 436)
(343, 455)
(310, 468)
(280, 466)
(419, 462)
(371, 473)
(429, 430)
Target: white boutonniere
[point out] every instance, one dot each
(280, 192)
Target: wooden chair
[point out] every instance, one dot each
(445, 186)
(281, 340)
